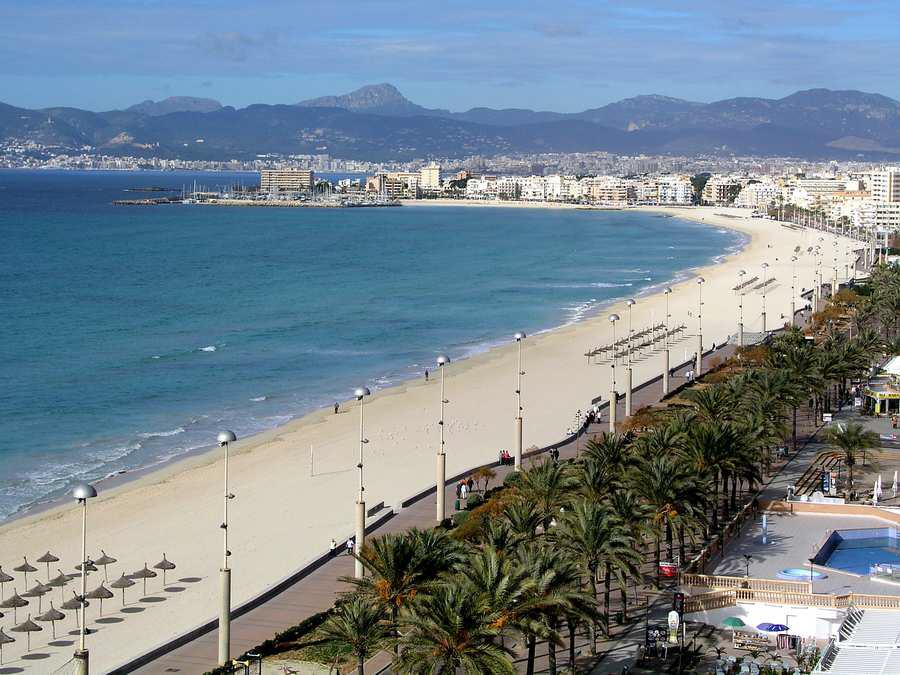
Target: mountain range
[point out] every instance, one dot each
(378, 123)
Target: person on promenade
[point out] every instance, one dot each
(332, 546)
(470, 483)
(463, 490)
(351, 544)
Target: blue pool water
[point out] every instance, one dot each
(857, 551)
(130, 335)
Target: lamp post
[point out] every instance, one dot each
(741, 275)
(520, 341)
(82, 492)
(747, 560)
(224, 438)
(794, 291)
(360, 393)
(765, 268)
(613, 396)
(628, 375)
(442, 361)
(699, 364)
(665, 373)
(811, 562)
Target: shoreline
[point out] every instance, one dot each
(121, 480)
(285, 513)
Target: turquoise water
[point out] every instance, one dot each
(131, 334)
(857, 551)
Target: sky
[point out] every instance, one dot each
(563, 55)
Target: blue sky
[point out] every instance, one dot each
(566, 55)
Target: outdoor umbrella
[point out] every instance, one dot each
(91, 567)
(75, 603)
(122, 582)
(733, 622)
(144, 574)
(26, 568)
(4, 578)
(28, 626)
(52, 615)
(48, 558)
(38, 591)
(103, 561)
(14, 602)
(164, 565)
(59, 581)
(100, 593)
(772, 627)
(4, 640)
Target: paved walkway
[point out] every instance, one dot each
(317, 591)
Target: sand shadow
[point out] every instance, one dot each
(174, 589)
(152, 599)
(34, 656)
(87, 631)
(190, 580)
(131, 610)
(61, 643)
(4, 670)
(110, 619)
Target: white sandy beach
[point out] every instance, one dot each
(283, 516)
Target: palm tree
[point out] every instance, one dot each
(447, 630)
(356, 627)
(549, 487)
(523, 519)
(850, 440)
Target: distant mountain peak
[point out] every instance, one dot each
(380, 99)
(174, 104)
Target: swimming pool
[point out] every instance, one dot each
(857, 551)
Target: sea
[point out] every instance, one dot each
(130, 335)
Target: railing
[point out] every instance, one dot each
(726, 598)
(707, 601)
(728, 582)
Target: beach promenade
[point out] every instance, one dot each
(295, 486)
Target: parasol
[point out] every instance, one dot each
(4, 578)
(52, 615)
(28, 627)
(13, 602)
(100, 593)
(38, 591)
(48, 558)
(4, 640)
(59, 581)
(164, 565)
(103, 561)
(75, 603)
(144, 574)
(122, 582)
(772, 627)
(25, 567)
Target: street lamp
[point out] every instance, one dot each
(794, 290)
(224, 439)
(613, 396)
(442, 361)
(699, 364)
(741, 276)
(665, 374)
(520, 341)
(747, 560)
(82, 492)
(765, 267)
(360, 393)
(628, 375)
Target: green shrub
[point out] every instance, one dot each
(513, 478)
(474, 501)
(460, 517)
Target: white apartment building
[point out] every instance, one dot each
(534, 189)
(492, 187)
(607, 190)
(758, 195)
(275, 181)
(430, 177)
(646, 191)
(675, 190)
(884, 185)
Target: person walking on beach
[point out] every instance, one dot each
(336, 407)
(426, 374)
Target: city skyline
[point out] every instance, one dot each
(104, 55)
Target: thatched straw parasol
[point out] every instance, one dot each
(38, 591)
(48, 558)
(122, 582)
(4, 579)
(74, 603)
(103, 561)
(25, 567)
(13, 602)
(28, 627)
(52, 615)
(59, 581)
(100, 593)
(4, 640)
(144, 574)
(164, 565)
(91, 567)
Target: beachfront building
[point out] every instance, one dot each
(492, 187)
(533, 189)
(675, 190)
(757, 195)
(808, 193)
(607, 190)
(721, 190)
(884, 185)
(430, 177)
(286, 181)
